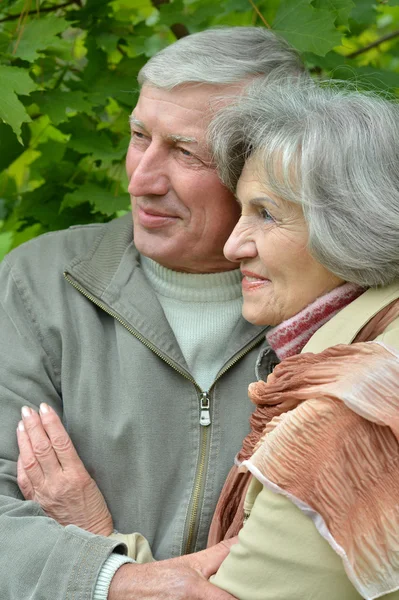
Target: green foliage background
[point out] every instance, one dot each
(68, 84)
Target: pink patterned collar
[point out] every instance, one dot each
(292, 335)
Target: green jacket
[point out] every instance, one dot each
(95, 345)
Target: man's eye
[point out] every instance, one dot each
(139, 135)
(266, 216)
(185, 152)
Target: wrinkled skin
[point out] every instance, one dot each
(51, 473)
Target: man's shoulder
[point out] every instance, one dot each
(59, 248)
(54, 245)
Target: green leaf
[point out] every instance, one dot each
(329, 62)
(97, 144)
(107, 41)
(308, 29)
(43, 206)
(26, 234)
(171, 12)
(37, 35)
(57, 104)
(136, 45)
(4, 43)
(364, 11)
(10, 148)
(14, 81)
(50, 152)
(155, 43)
(340, 8)
(42, 131)
(235, 6)
(368, 77)
(140, 10)
(101, 199)
(6, 239)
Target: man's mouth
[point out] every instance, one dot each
(151, 218)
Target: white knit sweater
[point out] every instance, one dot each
(202, 311)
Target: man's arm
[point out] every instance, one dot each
(184, 578)
(40, 558)
(51, 472)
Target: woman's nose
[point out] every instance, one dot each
(240, 245)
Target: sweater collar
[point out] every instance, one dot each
(189, 287)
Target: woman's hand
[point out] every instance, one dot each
(51, 473)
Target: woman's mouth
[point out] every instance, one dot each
(252, 281)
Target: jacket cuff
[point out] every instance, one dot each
(108, 570)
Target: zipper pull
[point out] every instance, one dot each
(205, 415)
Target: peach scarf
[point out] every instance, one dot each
(325, 433)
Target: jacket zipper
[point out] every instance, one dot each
(195, 498)
(135, 333)
(204, 397)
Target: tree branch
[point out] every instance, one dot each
(381, 40)
(42, 10)
(262, 18)
(179, 30)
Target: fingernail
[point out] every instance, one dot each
(44, 408)
(26, 411)
(21, 426)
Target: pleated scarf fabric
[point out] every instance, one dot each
(325, 433)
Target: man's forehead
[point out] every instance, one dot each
(181, 114)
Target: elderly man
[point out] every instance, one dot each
(140, 347)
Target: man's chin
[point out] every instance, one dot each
(155, 246)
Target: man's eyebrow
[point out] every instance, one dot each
(137, 122)
(181, 138)
(175, 138)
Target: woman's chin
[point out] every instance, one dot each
(258, 317)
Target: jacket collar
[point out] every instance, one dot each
(344, 327)
(110, 271)
(96, 269)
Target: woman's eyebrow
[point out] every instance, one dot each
(261, 199)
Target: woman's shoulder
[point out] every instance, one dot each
(346, 325)
(390, 335)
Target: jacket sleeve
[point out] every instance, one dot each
(280, 554)
(138, 547)
(39, 558)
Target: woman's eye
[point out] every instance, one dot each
(266, 216)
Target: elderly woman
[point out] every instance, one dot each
(316, 482)
(315, 172)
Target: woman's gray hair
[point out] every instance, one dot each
(221, 56)
(335, 151)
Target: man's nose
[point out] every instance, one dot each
(150, 177)
(240, 245)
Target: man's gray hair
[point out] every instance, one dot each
(221, 56)
(335, 151)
